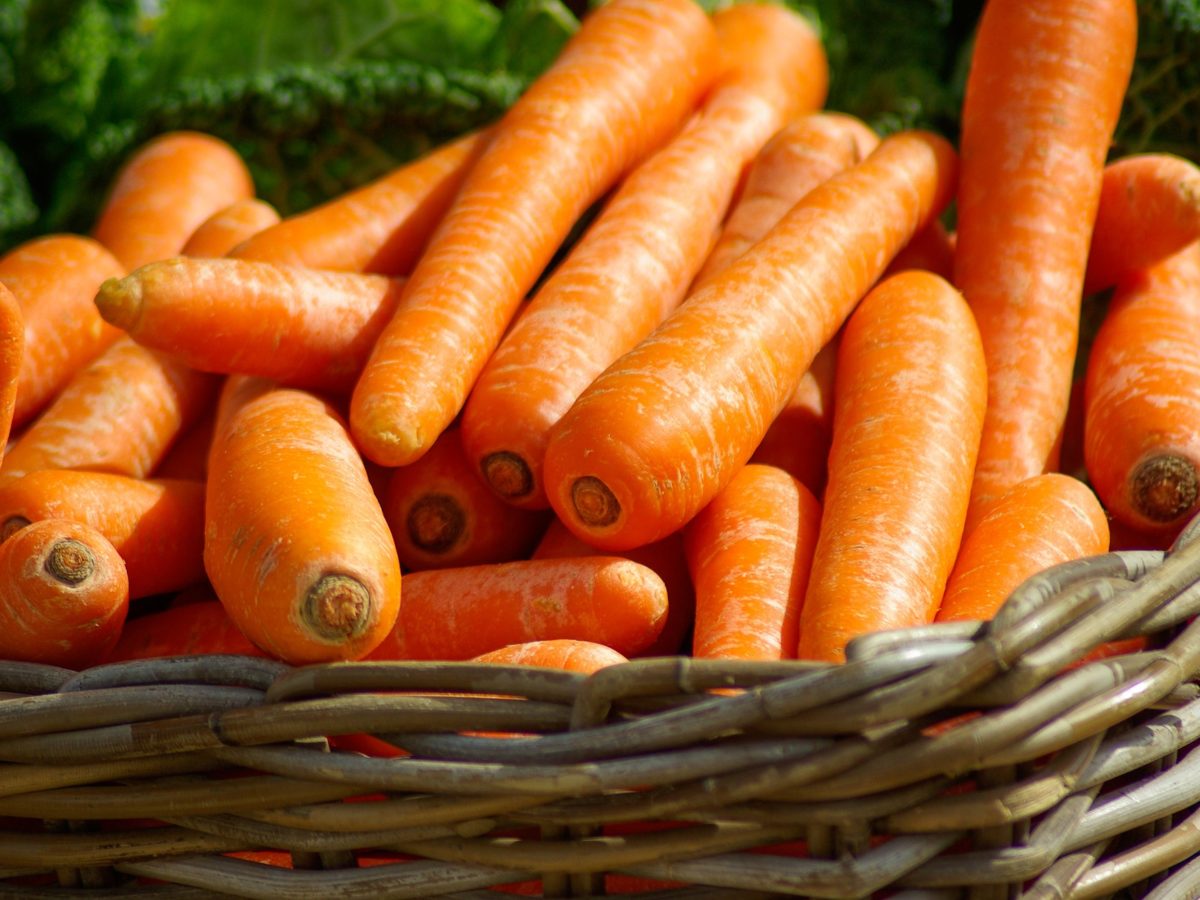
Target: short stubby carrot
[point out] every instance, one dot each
(63, 595)
(909, 407)
(1044, 90)
(298, 326)
(664, 428)
(1141, 446)
(570, 656)
(54, 279)
(381, 227)
(750, 552)
(621, 87)
(295, 543)
(194, 628)
(229, 227)
(164, 191)
(1042, 521)
(12, 352)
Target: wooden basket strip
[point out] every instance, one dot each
(20, 778)
(1137, 863)
(1182, 608)
(927, 894)
(428, 809)
(1144, 743)
(1059, 880)
(32, 678)
(223, 669)
(130, 891)
(959, 635)
(103, 848)
(1183, 883)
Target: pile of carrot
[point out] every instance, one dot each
(767, 401)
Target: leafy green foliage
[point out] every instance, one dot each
(17, 210)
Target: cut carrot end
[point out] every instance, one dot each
(336, 607)
(594, 503)
(119, 301)
(1164, 487)
(436, 523)
(508, 474)
(11, 526)
(70, 561)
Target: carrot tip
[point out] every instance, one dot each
(119, 301)
(1164, 487)
(594, 503)
(70, 561)
(336, 607)
(436, 523)
(508, 474)
(11, 526)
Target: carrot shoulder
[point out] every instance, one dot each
(229, 227)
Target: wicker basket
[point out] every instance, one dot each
(949, 761)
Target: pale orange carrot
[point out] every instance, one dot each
(228, 227)
(571, 656)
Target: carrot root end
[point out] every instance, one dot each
(119, 302)
(1164, 487)
(594, 503)
(436, 523)
(336, 607)
(70, 561)
(508, 474)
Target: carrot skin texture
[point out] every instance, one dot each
(910, 400)
(931, 249)
(12, 352)
(164, 191)
(54, 279)
(1042, 521)
(571, 656)
(194, 628)
(621, 86)
(188, 456)
(295, 544)
(1043, 94)
(664, 428)
(229, 227)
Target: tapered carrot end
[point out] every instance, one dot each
(594, 502)
(379, 425)
(120, 302)
(1164, 487)
(508, 474)
(336, 608)
(436, 523)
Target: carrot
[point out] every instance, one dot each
(1142, 397)
(619, 89)
(156, 525)
(188, 456)
(931, 249)
(54, 279)
(1149, 209)
(572, 656)
(659, 433)
(295, 543)
(442, 514)
(229, 227)
(460, 613)
(12, 352)
(165, 191)
(909, 408)
(120, 414)
(634, 264)
(1043, 93)
(194, 628)
(63, 595)
(380, 227)
(1042, 521)
(749, 552)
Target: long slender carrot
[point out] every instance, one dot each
(910, 400)
(381, 227)
(635, 263)
(120, 414)
(1042, 521)
(1142, 397)
(164, 191)
(1043, 93)
(63, 594)
(619, 89)
(54, 279)
(295, 544)
(194, 628)
(156, 525)
(656, 436)
(572, 656)
(301, 327)
(750, 551)
(12, 353)
(229, 227)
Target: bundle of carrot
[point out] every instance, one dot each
(767, 401)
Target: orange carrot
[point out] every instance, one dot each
(619, 89)
(295, 544)
(157, 525)
(301, 327)
(1142, 397)
(188, 456)
(931, 249)
(63, 595)
(910, 400)
(12, 352)
(572, 656)
(194, 628)
(228, 227)
(442, 514)
(1042, 521)
(54, 279)
(750, 551)
(634, 264)
(120, 414)
(1149, 209)
(656, 436)
(463, 612)
(165, 191)
(1044, 90)
(380, 227)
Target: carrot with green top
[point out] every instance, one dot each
(1044, 90)
(571, 656)
(620, 88)
(662, 430)
(909, 408)
(12, 352)
(229, 227)
(194, 628)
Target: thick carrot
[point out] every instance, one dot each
(381, 227)
(1142, 397)
(54, 279)
(750, 551)
(572, 656)
(164, 191)
(1042, 521)
(193, 628)
(1043, 93)
(63, 595)
(229, 227)
(635, 263)
(119, 414)
(12, 353)
(909, 407)
(619, 89)
(157, 525)
(295, 544)
(656, 436)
